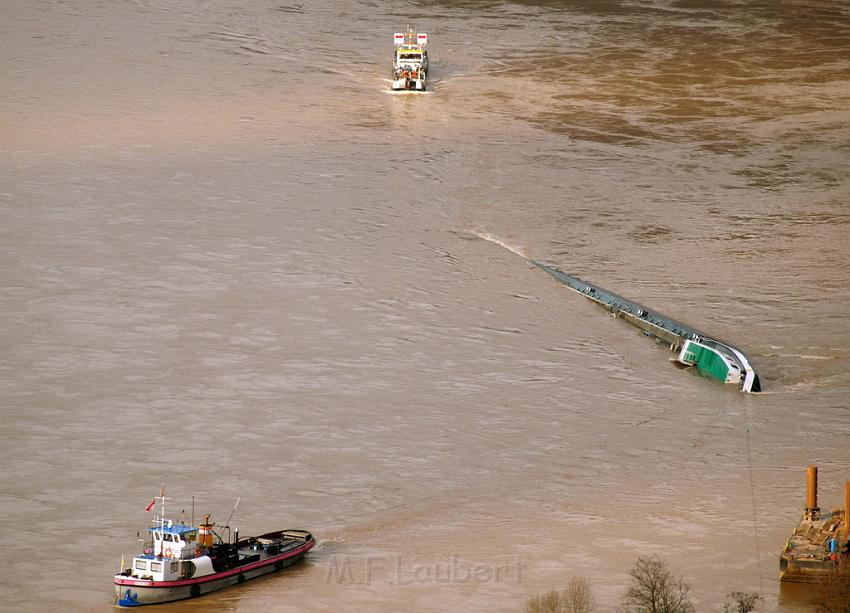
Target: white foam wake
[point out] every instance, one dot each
(495, 239)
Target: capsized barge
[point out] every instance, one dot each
(819, 545)
(694, 348)
(183, 561)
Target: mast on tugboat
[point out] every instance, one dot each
(159, 520)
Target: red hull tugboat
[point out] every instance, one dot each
(183, 561)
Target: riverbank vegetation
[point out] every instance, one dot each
(653, 589)
(575, 598)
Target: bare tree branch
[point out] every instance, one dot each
(655, 590)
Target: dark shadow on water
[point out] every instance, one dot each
(802, 596)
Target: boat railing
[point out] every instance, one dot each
(187, 553)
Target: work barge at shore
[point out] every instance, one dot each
(819, 545)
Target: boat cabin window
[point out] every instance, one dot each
(411, 56)
(174, 567)
(156, 567)
(141, 565)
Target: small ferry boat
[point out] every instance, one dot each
(820, 544)
(182, 561)
(410, 61)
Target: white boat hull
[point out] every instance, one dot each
(409, 84)
(140, 594)
(134, 592)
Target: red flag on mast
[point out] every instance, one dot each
(161, 495)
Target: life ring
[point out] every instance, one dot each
(168, 554)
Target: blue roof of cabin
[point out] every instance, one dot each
(172, 529)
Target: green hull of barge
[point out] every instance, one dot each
(707, 361)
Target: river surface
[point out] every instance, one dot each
(233, 263)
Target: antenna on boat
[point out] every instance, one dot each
(162, 506)
(193, 510)
(233, 511)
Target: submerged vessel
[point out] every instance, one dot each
(410, 61)
(819, 545)
(182, 561)
(708, 355)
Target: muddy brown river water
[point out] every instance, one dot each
(233, 263)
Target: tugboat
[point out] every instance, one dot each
(182, 561)
(410, 62)
(821, 541)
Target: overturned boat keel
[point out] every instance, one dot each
(710, 356)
